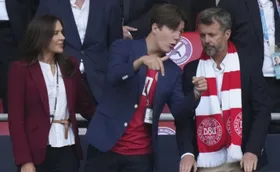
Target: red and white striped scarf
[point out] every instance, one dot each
(219, 125)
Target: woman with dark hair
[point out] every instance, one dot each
(45, 90)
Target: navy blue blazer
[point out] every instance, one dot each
(104, 27)
(122, 92)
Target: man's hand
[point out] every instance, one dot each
(200, 85)
(187, 163)
(249, 162)
(28, 167)
(154, 62)
(126, 32)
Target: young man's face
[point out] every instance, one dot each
(167, 38)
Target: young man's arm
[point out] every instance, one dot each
(121, 66)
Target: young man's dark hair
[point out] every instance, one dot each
(168, 15)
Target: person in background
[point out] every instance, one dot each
(45, 91)
(192, 8)
(90, 28)
(122, 134)
(256, 32)
(136, 17)
(233, 115)
(14, 17)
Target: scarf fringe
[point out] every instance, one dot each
(234, 153)
(212, 159)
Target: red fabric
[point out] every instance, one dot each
(137, 139)
(211, 143)
(227, 84)
(1, 106)
(29, 117)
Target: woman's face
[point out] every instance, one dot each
(56, 44)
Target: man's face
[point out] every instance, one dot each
(167, 38)
(213, 39)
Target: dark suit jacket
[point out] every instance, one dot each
(191, 9)
(20, 12)
(122, 92)
(247, 33)
(255, 110)
(104, 26)
(29, 116)
(137, 14)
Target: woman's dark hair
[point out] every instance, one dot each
(37, 38)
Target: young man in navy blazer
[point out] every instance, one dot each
(140, 81)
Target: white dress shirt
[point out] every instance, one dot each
(81, 17)
(56, 134)
(268, 67)
(3, 11)
(219, 77)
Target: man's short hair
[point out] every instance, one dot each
(168, 15)
(211, 15)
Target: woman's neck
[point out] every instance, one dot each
(47, 58)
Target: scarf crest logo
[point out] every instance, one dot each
(238, 124)
(210, 131)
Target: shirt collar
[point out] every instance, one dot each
(264, 2)
(73, 2)
(222, 65)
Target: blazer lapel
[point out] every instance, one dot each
(276, 14)
(70, 27)
(142, 50)
(254, 11)
(158, 88)
(277, 24)
(38, 78)
(126, 9)
(92, 17)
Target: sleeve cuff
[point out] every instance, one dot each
(129, 71)
(186, 154)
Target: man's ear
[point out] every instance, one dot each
(155, 28)
(228, 34)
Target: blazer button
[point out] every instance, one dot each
(125, 124)
(82, 52)
(136, 106)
